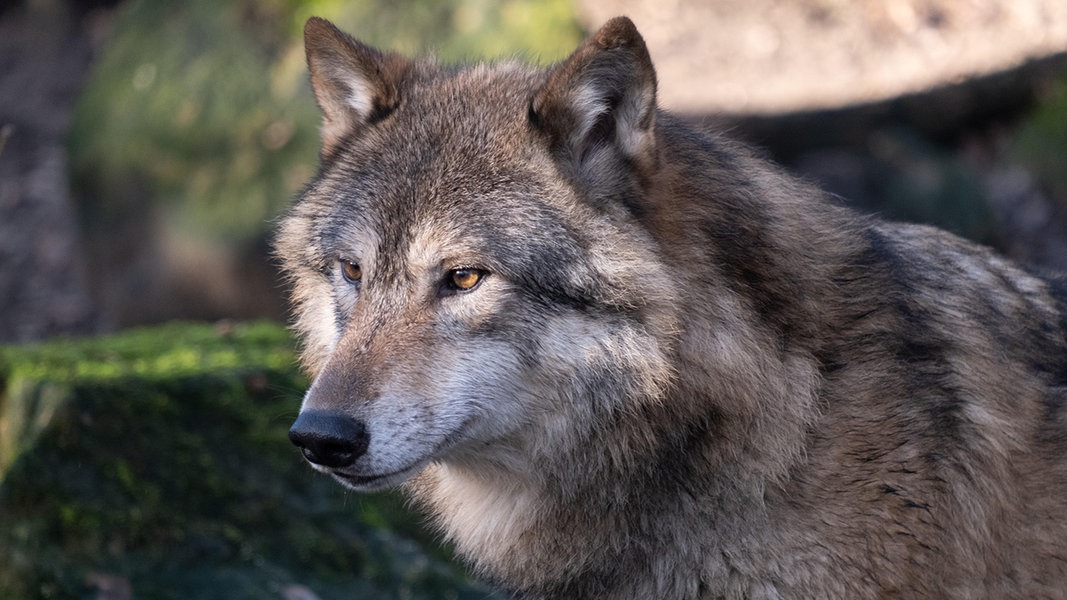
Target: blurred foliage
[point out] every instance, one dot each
(920, 182)
(198, 113)
(1041, 141)
(159, 458)
(457, 30)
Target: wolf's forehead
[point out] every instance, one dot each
(483, 102)
(507, 224)
(450, 212)
(458, 128)
(455, 163)
(490, 87)
(462, 133)
(454, 203)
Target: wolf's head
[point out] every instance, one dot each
(473, 274)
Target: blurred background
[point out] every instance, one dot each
(148, 146)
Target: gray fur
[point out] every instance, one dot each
(683, 373)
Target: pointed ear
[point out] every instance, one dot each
(601, 98)
(355, 85)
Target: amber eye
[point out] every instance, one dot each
(351, 271)
(464, 280)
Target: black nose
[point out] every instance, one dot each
(329, 439)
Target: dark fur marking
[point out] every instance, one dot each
(921, 354)
(907, 502)
(747, 257)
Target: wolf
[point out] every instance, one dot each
(615, 356)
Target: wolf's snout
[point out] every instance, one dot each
(329, 439)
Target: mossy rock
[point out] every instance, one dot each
(156, 462)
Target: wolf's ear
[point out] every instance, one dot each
(601, 98)
(355, 85)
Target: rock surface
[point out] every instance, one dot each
(768, 56)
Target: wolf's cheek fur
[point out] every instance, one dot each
(422, 400)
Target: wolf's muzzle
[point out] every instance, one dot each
(329, 439)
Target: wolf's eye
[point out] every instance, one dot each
(350, 271)
(464, 280)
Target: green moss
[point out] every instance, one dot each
(160, 456)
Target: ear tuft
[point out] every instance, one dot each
(355, 85)
(602, 98)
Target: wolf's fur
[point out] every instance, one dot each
(683, 374)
